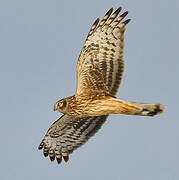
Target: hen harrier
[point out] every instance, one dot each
(99, 74)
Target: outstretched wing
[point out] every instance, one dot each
(100, 68)
(67, 134)
(100, 64)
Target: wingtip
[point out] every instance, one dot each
(41, 146)
(118, 10)
(97, 21)
(52, 158)
(111, 9)
(59, 160)
(45, 151)
(126, 21)
(66, 158)
(124, 14)
(109, 12)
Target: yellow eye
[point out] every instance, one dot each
(62, 103)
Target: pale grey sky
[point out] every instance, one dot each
(40, 41)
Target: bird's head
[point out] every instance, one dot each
(61, 105)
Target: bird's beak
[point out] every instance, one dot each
(55, 108)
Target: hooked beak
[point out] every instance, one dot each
(55, 108)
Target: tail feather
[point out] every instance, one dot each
(147, 109)
(118, 106)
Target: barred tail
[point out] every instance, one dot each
(146, 109)
(117, 106)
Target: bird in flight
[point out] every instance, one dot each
(99, 73)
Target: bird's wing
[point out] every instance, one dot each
(100, 64)
(67, 134)
(104, 44)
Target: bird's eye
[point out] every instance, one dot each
(62, 104)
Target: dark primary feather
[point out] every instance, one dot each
(104, 50)
(63, 138)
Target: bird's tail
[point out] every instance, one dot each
(147, 109)
(136, 108)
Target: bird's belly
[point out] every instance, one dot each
(98, 107)
(104, 106)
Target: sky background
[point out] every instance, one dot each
(40, 41)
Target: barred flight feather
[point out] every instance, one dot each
(103, 53)
(60, 140)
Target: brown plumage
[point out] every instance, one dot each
(101, 104)
(99, 73)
